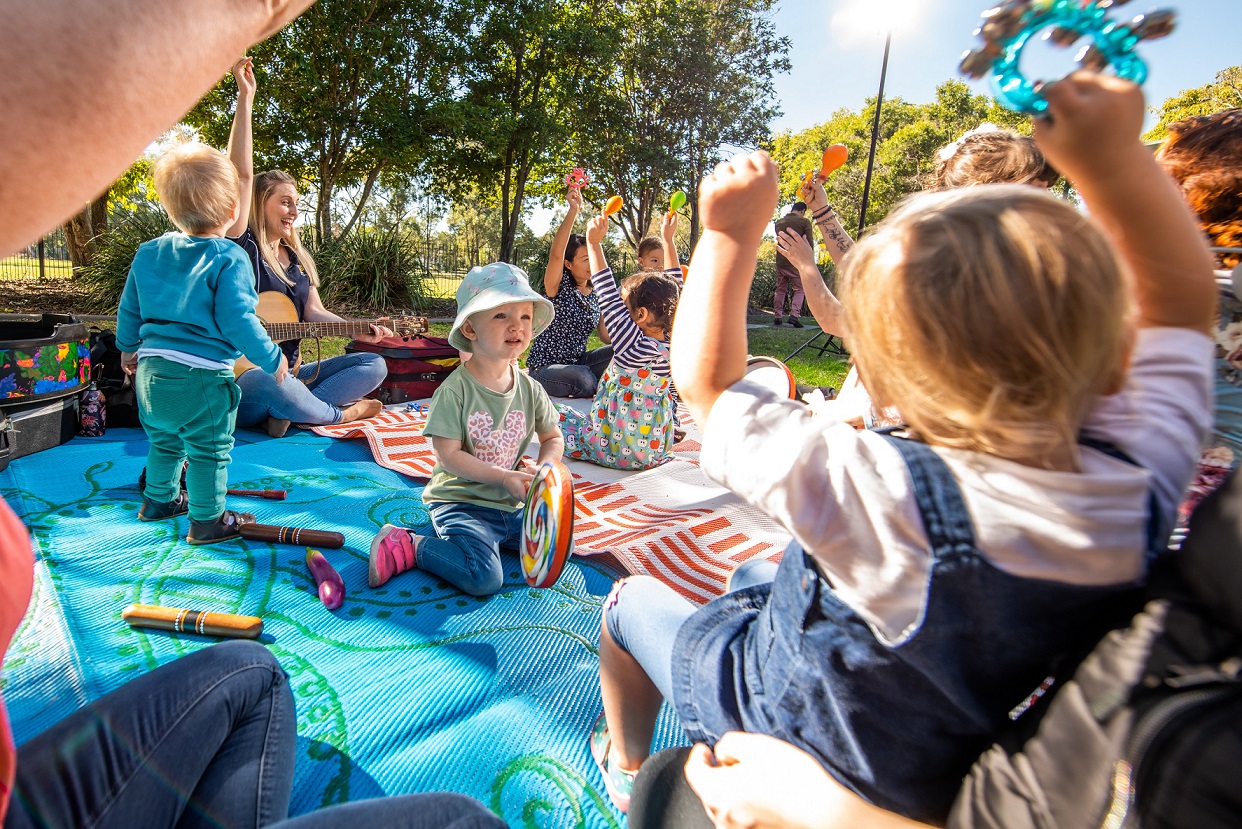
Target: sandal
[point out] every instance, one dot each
(226, 527)
(618, 781)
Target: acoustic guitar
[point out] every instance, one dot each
(280, 319)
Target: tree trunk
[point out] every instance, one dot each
(82, 229)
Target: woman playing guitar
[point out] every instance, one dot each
(332, 390)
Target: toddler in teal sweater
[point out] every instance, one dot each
(187, 312)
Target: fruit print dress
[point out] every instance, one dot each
(633, 414)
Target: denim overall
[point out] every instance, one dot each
(900, 724)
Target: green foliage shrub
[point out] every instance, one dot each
(374, 269)
(104, 277)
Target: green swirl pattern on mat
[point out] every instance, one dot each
(409, 688)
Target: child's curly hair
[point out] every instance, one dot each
(655, 291)
(993, 315)
(990, 155)
(1204, 156)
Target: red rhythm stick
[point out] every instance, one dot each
(269, 494)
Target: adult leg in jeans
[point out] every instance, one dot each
(205, 741)
(437, 810)
(752, 572)
(465, 550)
(597, 360)
(262, 397)
(566, 380)
(641, 618)
(344, 379)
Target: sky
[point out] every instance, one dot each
(837, 47)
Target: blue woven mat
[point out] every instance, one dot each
(410, 688)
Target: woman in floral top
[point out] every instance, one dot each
(558, 357)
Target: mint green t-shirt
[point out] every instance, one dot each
(493, 427)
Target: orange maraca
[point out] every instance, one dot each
(834, 158)
(613, 205)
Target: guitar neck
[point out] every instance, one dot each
(282, 331)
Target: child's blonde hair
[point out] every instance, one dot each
(264, 185)
(991, 316)
(991, 155)
(197, 185)
(657, 292)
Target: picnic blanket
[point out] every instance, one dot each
(670, 522)
(408, 688)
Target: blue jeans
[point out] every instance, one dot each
(205, 741)
(341, 381)
(577, 379)
(465, 551)
(644, 614)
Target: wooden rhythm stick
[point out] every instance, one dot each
(269, 494)
(292, 535)
(204, 623)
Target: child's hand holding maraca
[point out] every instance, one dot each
(596, 229)
(667, 228)
(739, 197)
(574, 197)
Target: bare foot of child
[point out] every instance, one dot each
(364, 408)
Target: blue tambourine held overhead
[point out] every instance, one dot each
(1007, 28)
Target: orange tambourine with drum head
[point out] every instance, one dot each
(771, 373)
(547, 525)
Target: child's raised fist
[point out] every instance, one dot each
(739, 197)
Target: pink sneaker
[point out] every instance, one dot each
(392, 553)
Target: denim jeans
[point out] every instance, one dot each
(341, 381)
(465, 550)
(577, 379)
(205, 741)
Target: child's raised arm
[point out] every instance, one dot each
(596, 229)
(668, 227)
(1093, 136)
(709, 333)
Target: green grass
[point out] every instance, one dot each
(808, 367)
(23, 267)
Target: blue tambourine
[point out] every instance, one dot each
(1008, 27)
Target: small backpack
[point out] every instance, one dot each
(120, 398)
(1148, 732)
(416, 365)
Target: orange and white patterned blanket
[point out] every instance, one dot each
(670, 522)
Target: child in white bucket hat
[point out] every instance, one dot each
(480, 422)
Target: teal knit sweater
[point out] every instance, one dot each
(195, 295)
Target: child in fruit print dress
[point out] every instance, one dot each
(480, 422)
(633, 415)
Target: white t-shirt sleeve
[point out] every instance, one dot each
(845, 496)
(1162, 415)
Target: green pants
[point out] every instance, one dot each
(189, 414)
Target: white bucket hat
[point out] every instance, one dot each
(490, 286)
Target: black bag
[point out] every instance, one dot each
(1149, 730)
(111, 379)
(416, 366)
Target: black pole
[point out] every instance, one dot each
(875, 137)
